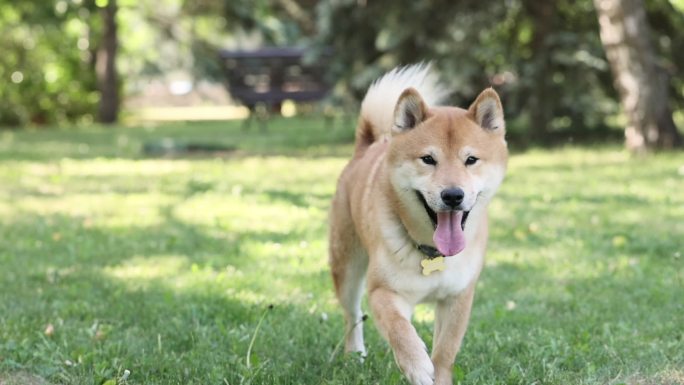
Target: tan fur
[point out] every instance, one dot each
(376, 220)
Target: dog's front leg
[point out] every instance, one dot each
(392, 316)
(451, 320)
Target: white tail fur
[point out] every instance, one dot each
(378, 105)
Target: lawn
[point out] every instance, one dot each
(117, 267)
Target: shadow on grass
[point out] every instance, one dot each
(568, 328)
(600, 328)
(72, 240)
(287, 137)
(529, 323)
(162, 330)
(162, 335)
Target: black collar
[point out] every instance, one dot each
(429, 251)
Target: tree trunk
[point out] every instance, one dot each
(640, 81)
(105, 68)
(541, 105)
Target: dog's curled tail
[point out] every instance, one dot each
(377, 108)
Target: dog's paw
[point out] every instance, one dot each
(360, 353)
(354, 344)
(418, 370)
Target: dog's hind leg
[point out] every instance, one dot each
(350, 294)
(348, 263)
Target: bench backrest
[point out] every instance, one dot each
(271, 75)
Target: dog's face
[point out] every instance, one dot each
(445, 161)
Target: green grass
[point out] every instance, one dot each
(113, 261)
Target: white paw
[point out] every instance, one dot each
(420, 370)
(354, 342)
(360, 350)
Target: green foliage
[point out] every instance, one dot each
(545, 58)
(46, 62)
(114, 261)
(250, 23)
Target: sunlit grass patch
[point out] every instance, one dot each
(147, 268)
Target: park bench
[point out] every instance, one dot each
(268, 76)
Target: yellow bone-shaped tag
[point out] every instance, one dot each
(434, 264)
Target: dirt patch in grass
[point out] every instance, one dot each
(21, 378)
(670, 377)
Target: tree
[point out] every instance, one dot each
(45, 65)
(105, 67)
(543, 20)
(642, 83)
(543, 57)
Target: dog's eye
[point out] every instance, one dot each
(471, 160)
(427, 159)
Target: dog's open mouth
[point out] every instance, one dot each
(449, 228)
(433, 215)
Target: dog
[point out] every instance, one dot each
(415, 193)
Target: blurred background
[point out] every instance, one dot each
(167, 168)
(577, 71)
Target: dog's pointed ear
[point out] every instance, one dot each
(409, 111)
(487, 111)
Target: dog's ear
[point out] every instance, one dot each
(409, 111)
(487, 111)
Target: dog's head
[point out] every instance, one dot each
(444, 161)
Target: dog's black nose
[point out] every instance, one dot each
(452, 197)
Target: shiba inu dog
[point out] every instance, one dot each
(409, 218)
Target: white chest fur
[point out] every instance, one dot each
(403, 273)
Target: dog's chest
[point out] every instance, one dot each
(459, 272)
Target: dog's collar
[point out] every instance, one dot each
(429, 251)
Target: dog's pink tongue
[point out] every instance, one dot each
(449, 237)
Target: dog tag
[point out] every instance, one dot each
(433, 264)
